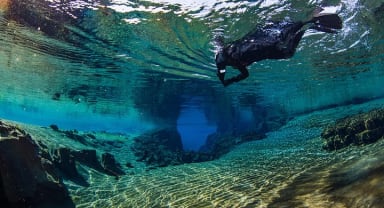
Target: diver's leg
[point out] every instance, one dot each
(290, 47)
(295, 40)
(291, 29)
(243, 75)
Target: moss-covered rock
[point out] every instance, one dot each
(359, 129)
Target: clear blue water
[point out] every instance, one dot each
(132, 67)
(100, 56)
(194, 128)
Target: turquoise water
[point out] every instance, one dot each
(119, 67)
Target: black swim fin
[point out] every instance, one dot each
(326, 22)
(332, 21)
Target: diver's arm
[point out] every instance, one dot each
(221, 74)
(243, 75)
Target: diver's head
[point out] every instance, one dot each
(219, 41)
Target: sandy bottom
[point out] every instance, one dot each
(287, 169)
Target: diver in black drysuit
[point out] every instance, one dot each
(276, 40)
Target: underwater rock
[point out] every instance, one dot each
(91, 136)
(56, 96)
(54, 127)
(129, 165)
(159, 148)
(76, 136)
(110, 165)
(26, 178)
(65, 160)
(89, 158)
(86, 139)
(111, 144)
(66, 163)
(193, 157)
(359, 129)
(163, 147)
(219, 144)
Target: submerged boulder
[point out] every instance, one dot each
(359, 129)
(110, 165)
(159, 148)
(66, 160)
(27, 179)
(220, 144)
(164, 147)
(89, 158)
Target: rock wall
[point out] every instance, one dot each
(27, 178)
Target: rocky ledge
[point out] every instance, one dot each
(359, 129)
(27, 177)
(32, 174)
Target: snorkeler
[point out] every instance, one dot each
(276, 40)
